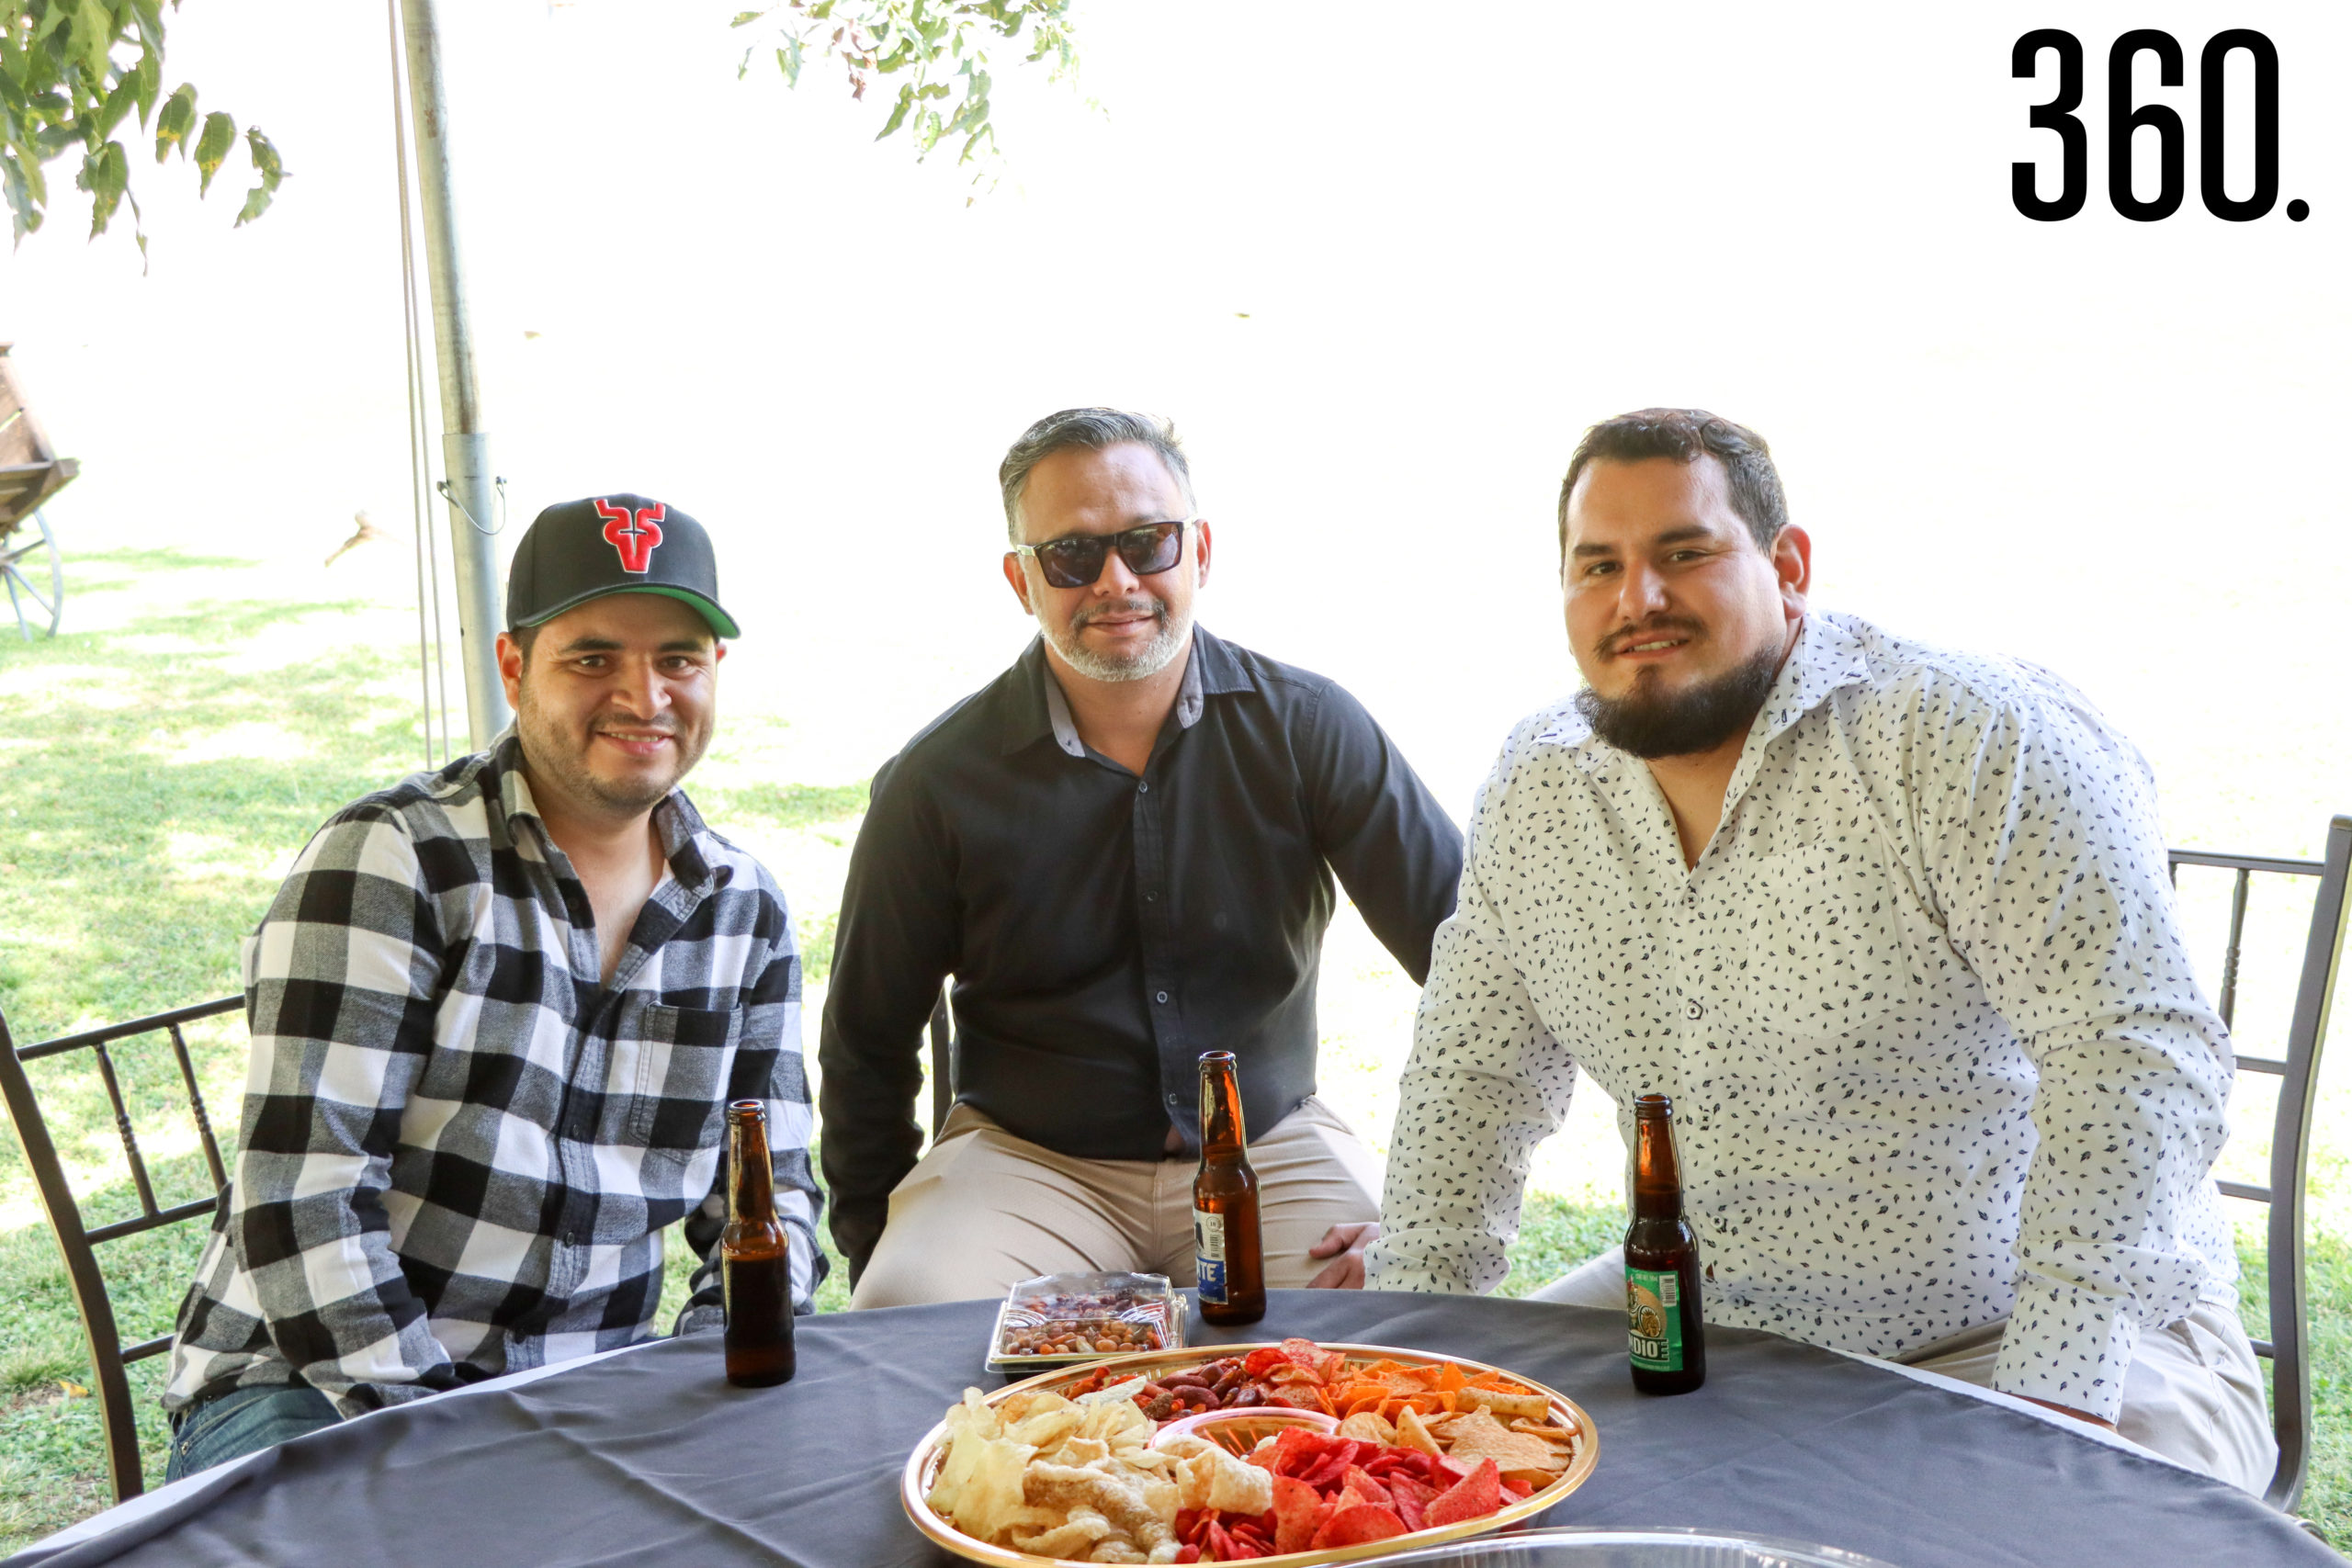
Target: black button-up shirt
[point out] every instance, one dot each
(1103, 928)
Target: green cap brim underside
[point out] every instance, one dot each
(721, 623)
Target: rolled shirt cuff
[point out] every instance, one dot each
(1442, 1261)
(2068, 1346)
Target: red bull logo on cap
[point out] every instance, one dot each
(634, 536)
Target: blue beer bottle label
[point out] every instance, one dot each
(1208, 1249)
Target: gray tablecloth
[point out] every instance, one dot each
(650, 1457)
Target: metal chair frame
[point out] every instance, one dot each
(2289, 1347)
(78, 1241)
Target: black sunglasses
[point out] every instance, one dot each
(1076, 561)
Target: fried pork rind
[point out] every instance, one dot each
(1064, 1488)
(1074, 1539)
(1208, 1477)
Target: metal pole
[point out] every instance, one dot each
(465, 449)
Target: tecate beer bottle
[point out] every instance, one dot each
(1224, 1202)
(1667, 1338)
(754, 1261)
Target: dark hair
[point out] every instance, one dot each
(1094, 429)
(524, 638)
(1686, 436)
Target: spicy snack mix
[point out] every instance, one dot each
(1099, 1473)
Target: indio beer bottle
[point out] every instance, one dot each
(755, 1259)
(1224, 1202)
(1667, 1338)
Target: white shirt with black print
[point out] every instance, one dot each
(1936, 1052)
(460, 1145)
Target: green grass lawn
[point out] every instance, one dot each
(160, 768)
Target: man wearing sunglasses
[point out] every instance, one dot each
(1122, 851)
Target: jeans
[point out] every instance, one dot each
(245, 1420)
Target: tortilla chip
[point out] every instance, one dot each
(1530, 1406)
(1366, 1426)
(1413, 1433)
(1479, 1436)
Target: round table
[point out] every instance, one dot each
(650, 1457)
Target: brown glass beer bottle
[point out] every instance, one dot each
(1668, 1340)
(755, 1259)
(1224, 1202)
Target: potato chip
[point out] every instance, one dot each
(993, 1498)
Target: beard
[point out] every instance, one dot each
(1650, 723)
(559, 756)
(1172, 634)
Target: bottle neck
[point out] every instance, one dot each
(1658, 1175)
(1223, 1137)
(750, 1178)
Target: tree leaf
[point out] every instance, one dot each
(93, 36)
(219, 134)
(177, 118)
(899, 111)
(106, 174)
(147, 76)
(119, 102)
(787, 59)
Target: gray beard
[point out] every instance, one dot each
(1173, 635)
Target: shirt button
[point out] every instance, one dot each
(1143, 789)
(1163, 997)
(1692, 1010)
(1151, 898)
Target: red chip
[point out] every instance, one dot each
(1298, 1512)
(1413, 1498)
(1473, 1498)
(1356, 1525)
(1362, 1488)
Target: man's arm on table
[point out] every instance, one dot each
(1485, 1084)
(767, 1067)
(341, 985)
(1398, 855)
(2044, 856)
(894, 945)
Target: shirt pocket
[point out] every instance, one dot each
(683, 1056)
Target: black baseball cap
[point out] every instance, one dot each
(580, 550)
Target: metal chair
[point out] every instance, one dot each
(2289, 1347)
(79, 1242)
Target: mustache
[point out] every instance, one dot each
(1145, 607)
(1610, 646)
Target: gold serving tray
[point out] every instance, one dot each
(922, 1465)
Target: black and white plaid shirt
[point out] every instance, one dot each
(459, 1145)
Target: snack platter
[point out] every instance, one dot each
(1491, 1391)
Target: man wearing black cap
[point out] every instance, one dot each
(496, 1014)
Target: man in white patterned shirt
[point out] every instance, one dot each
(496, 1013)
(1892, 927)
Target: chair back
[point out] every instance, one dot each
(78, 1241)
(2288, 1345)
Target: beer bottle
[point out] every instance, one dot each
(1668, 1340)
(754, 1257)
(1224, 1202)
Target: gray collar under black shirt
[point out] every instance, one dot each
(1104, 929)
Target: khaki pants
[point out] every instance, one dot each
(2193, 1393)
(984, 1209)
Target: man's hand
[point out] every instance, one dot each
(1344, 1246)
(2083, 1415)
